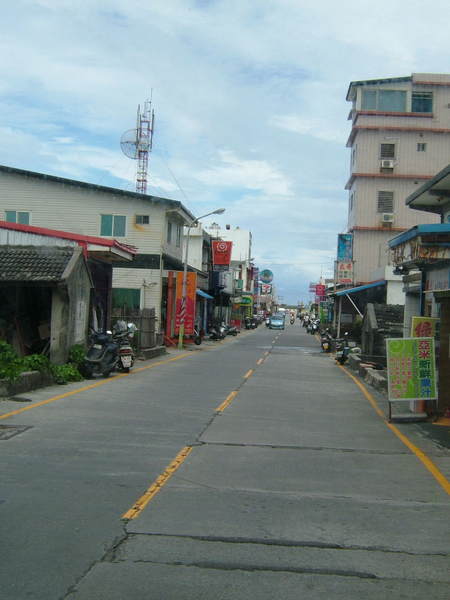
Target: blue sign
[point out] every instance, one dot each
(345, 247)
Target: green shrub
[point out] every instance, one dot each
(64, 373)
(36, 362)
(77, 354)
(10, 363)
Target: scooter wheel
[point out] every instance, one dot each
(106, 373)
(197, 340)
(126, 369)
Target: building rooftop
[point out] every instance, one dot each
(33, 263)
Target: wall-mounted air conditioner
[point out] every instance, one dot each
(387, 164)
(387, 217)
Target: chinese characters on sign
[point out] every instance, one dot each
(423, 326)
(344, 272)
(411, 369)
(221, 253)
(345, 247)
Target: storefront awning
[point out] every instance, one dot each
(204, 294)
(359, 288)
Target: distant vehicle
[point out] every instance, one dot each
(276, 322)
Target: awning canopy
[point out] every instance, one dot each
(204, 294)
(359, 288)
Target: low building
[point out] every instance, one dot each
(422, 256)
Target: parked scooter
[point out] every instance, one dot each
(123, 333)
(343, 350)
(230, 330)
(326, 340)
(217, 332)
(292, 320)
(102, 355)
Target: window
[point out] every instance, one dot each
(351, 201)
(421, 147)
(422, 102)
(354, 154)
(126, 298)
(387, 150)
(14, 216)
(179, 230)
(113, 225)
(169, 232)
(384, 100)
(142, 219)
(385, 202)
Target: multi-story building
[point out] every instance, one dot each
(400, 137)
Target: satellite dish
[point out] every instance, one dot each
(129, 142)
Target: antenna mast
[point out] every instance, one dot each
(137, 143)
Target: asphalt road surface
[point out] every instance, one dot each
(249, 468)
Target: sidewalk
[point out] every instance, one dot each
(297, 488)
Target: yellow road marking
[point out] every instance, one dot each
(226, 402)
(248, 374)
(429, 464)
(90, 387)
(159, 482)
(266, 353)
(260, 361)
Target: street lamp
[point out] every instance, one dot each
(218, 211)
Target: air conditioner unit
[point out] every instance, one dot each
(387, 218)
(387, 164)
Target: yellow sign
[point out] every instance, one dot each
(423, 326)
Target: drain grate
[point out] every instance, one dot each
(9, 431)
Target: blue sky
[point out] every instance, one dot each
(249, 98)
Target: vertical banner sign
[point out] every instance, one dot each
(344, 272)
(320, 292)
(221, 254)
(423, 326)
(411, 369)
(191, 291)
(345, 247)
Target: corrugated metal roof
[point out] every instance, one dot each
(359, 288)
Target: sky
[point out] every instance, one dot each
(249, 97)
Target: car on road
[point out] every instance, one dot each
(276, 322)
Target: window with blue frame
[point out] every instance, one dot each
(17, 216)
(113, 225)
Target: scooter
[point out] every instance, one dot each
(123, 333)
(102, 355)
(230, 330)
(343, 350)
(217, 332)
(325, 340)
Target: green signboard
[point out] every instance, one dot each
(411, 369)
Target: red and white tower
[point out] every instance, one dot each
(137, 144)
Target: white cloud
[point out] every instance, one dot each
(248, 174)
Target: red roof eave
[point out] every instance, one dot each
(82, 240)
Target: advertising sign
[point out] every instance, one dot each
(411, 369)
(191, 291)
(221, 253)
(344, 272)
(246, 300)
(345, 247)
(320, 292)
(423, 326)
(266, 276)
(266, 288)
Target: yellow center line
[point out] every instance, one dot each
(159, 482)
(429, 464)
(260, 361)
(227, 401)
(90, 387)
(248, 374)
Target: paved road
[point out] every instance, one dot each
(292, 486)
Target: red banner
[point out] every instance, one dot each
(221, 252)
(189, 309)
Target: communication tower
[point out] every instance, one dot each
(137, 143)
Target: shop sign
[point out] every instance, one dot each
(345, 247)
(266, 289)
(411, 369)
(344, 272)
(423, 326)
(266, 276)
(437, 280)
(246, 300)
(221, 253)
(191, 291)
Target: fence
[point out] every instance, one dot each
(145, 321)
